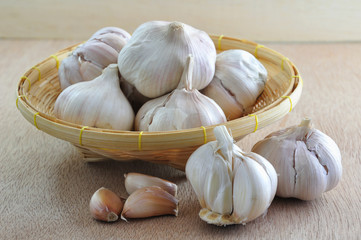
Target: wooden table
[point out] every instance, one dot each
(45, 186)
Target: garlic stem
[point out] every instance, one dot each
(188, 73)
(306, 122)
(175, 26)
(225, 142)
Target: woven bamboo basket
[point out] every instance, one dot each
(39, 88)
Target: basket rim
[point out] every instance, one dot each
(296, 85)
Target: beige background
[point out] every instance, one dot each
(259, 20)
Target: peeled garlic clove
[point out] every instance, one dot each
(232, 187)
(238, 81)
(153, 59)
(182, 109)
(135, 181)
(88, 60)
(97, 103)
(105, 205)
(308, 161)
(149, 202)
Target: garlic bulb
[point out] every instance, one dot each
(239, 79)
(153, 59)
(307, 161)
(181, 109)
(232, 186)
(97, 103)
(89, 59)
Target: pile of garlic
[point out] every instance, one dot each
(168, 72)
(148, 196)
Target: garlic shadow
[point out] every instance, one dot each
(74, 181)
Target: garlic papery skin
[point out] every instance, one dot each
(112, 36)
(135, 181)
(233, 187)
(98, 103)
(238, 81)
(307, 161)
(89, 59)
(105, 205)
(181, 109)
(149, 202)
(153, 59)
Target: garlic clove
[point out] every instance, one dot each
(97, 52)
(181, 109)
(238, 81)
(105, 205)
(153, 59)
(308, 171)
(69, 71)
(308, 161)
(135, 181)
(231, 108)
(252, 191)
(149, 202)
(97, 103)
(89, 70)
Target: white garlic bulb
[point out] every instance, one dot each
(181, 109)
(307, 161)
(112, 36)
(89, 59)
(233, 187)
(97, 103)
(153, 59)
(238, 81)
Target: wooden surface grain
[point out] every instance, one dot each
(276, 20)
(45, 186)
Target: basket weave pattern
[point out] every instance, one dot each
(39, 88)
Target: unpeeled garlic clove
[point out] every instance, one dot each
(149, 202)
(307, 161)
(135, 181)
(105, 205)
(97, 103)
(181, 109)
(88, 60)
(238, 81)
(153, 59)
